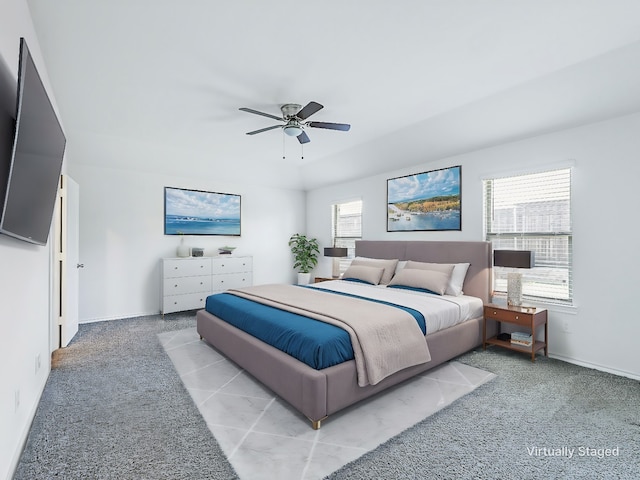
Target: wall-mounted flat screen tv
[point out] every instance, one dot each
(196, 212)
(32, 180)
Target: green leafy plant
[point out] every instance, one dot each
(305, 250)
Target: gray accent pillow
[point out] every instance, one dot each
(438, 267)
(431, 280)
(363, 273)
(458, 273)
(389, 266)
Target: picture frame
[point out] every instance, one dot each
(198, 212)
(426, 201)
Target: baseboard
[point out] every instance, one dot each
(120, 317)
(25, 432)
(594, 366)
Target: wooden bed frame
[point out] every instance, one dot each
(320, 393)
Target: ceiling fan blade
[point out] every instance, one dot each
(264, 129)
(331, 126)
(256, 112)
(308, 110)
(303, 138)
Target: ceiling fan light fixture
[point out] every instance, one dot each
(292, 130)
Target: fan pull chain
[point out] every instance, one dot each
(283, 146)
(302, 151)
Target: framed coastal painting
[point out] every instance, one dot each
(427, 201)
(196, 212)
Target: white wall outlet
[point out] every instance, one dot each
(566, 326)
(16, 396)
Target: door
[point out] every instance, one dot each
(67, 262)
(73, 265)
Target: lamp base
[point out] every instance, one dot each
(514, 289)
(335, 271)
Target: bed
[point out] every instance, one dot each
(319, 393)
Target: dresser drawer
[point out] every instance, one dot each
(232, 265)
(177, 303)
(518, 318)
(181, 285)
(232, 280)
(186, 267)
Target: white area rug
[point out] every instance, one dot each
(264, 438)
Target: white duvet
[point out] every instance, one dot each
(439, 311)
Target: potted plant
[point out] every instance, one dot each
(305, 251)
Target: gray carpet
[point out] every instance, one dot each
(501, 430)
(114, 407)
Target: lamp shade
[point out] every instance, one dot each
(513, 258)
(335, 252)
(292, 130)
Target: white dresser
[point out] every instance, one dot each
(186, 282)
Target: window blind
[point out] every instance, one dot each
(346, 228)
(533, 212)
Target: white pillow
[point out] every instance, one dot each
(457, 279)
(363, 273)
(400, 266)
(458, 272)
(389, 266)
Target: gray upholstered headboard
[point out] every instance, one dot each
(478, 254)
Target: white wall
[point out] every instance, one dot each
(24, 283)
(122, 238)
(602, 331)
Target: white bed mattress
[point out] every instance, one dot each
(439, 311)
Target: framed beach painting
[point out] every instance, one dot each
(196, 212)
(428, 201)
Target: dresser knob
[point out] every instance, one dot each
(517, 317)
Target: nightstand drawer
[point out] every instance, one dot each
(517, 318)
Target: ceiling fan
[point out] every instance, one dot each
(294, 118)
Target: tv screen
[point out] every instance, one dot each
(36, 159)
(195, 212)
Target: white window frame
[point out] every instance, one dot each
(540, 206)
(343, 234)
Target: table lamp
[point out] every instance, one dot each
(336, 253)
(514, 259)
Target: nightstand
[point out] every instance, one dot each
(323, 279)
(529, 317)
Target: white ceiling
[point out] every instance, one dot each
(416, 79)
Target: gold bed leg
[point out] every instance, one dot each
(316, 424)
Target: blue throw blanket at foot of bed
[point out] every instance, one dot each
(318, 344)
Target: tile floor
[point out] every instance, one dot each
(264, 438)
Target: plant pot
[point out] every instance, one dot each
(304, 278)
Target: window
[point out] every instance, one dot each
(533, 212)
(346, 228)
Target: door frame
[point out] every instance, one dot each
(62, 268)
